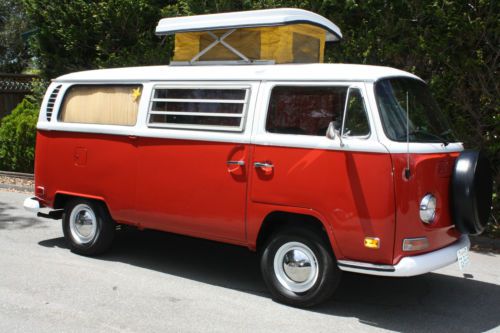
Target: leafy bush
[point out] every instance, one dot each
(17, 137)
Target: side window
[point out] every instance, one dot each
(198, 108)
(104, 105)
(305, 48)
(305, 110)
(356, 121)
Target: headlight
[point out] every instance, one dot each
(428, 208)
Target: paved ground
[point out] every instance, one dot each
(156, 282)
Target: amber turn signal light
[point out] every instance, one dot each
(372, 242)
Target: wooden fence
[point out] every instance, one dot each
(13, 88)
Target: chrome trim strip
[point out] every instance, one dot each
(200, 100)
(197, 114)
(364, 265)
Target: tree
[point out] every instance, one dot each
(80, 34)
(14, 55)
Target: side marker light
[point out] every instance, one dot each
(372, 242)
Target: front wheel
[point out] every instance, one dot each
(299, 268)
(88, 227)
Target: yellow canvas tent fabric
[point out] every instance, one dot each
(297, 43)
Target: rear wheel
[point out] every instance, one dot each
(299, 268)
(88, 227)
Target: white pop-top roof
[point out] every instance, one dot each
(252, 18)
(292, 72)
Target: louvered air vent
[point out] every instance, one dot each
(51, 102)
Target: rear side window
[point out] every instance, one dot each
(309, 110)
(104, 105)
(198, 108)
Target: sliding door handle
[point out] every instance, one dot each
(263, 165)
(240, 163)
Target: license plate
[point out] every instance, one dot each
(463, 258)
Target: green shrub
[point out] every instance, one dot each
(17, 137)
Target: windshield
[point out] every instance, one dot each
(397, 96)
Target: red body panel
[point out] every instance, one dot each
(352, 191)
(430, 173)
(170, 185)
(93, 165)
(187, 187)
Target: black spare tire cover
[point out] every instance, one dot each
(471, 190)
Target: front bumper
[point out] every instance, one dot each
(410, 266)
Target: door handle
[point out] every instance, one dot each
(263, 165)
(240, 163)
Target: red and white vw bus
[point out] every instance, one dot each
(321, 168)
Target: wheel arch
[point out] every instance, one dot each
(62, 198)
(281, 219)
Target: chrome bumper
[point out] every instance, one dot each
(410, 266)
(32, 205)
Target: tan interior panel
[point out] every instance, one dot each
(105, 105)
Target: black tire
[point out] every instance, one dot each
(471, 192)
(99, 239)
(320, 289)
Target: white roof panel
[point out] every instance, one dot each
(290, 73)
(247, 19)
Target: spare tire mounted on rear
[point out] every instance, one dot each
(471, 192)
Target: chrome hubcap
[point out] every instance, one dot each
(296, 267)
(83, 224)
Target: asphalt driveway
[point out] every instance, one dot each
(158, 282)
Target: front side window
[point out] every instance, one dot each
(356, 121)
(309, 110)
(101, 104)
(399, 97)
(198, 108)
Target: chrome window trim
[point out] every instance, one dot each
(346, 110)
(242, 116)
(348, 84)
(180, 100)
(201, 114)
(66, 88)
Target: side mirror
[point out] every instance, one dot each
(331, 133)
